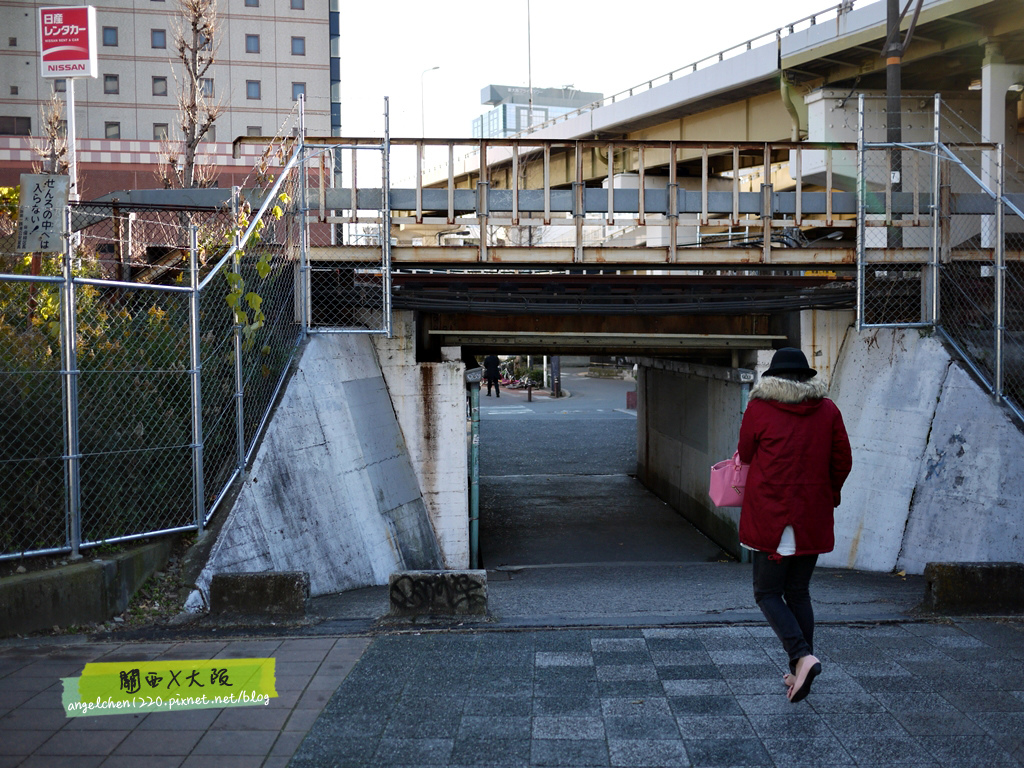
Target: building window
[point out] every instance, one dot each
(111, 84)
(298, 5)
(252, 3)
(160, 131)
(12, 41)
(298, 89)
(62, 127)
(158, 38)
(252, 89)
(253, 130)
(159, 86)
(112, 130)
(211, 133)
(110, 36)
(60, 85)
(252, 43)
(205, 43)
(15, 126)
(298, 46)
(206, 84)
(14, 90)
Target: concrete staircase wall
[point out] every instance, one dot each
(936, 463)
(332, 490)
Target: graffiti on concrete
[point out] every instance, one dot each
(438, 593)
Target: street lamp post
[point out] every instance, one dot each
(423, 118)
(529, 69)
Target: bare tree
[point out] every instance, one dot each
(52, 147)
(195, 42)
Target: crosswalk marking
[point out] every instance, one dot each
(505, 410)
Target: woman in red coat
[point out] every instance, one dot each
(794, 439)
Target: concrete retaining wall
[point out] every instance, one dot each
(331, 491)
(688, 418)
(87, 592)
(937, 469)
(430, 403)
(936, 464)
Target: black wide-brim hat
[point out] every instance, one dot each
(789, 360)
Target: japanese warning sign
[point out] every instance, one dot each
(41, 213)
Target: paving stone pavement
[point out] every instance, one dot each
(35, 731)
(909, 693)
(918, 694)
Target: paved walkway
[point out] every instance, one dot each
(911, 693)
(34, 730)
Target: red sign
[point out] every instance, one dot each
(67, 41)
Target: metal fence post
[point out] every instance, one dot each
(474, 468)
(1000, 276)
(195, 362)
(861, 182)
(386, 221)
(936, 212)
(236, 268)
(303, 218)
(69, 373)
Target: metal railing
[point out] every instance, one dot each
(659, 198)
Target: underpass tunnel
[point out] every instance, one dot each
(587, 480)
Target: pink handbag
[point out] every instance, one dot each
(728, 479)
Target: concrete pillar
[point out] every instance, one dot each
(822, 333)
(996, 79)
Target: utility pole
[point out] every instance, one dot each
(529, 69)
(893, 107)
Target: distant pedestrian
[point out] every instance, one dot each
(795, 441)
(491, 374)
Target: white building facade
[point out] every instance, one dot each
(268, 52)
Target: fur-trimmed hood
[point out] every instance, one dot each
(775, 388)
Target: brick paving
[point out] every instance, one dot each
(940, 693)
(919, 694)
(35, 731)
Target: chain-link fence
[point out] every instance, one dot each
(137, 369)
(981, 276)
(348, 295)
(941, 245)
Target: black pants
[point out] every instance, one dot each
(782, 592)
(493, 380)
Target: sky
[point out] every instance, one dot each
(593, 45)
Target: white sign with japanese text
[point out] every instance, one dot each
(67, 41)
(42, 212)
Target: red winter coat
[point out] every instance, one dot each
(794, 439)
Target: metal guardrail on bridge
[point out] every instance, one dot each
(602, 202)
(631, 204)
